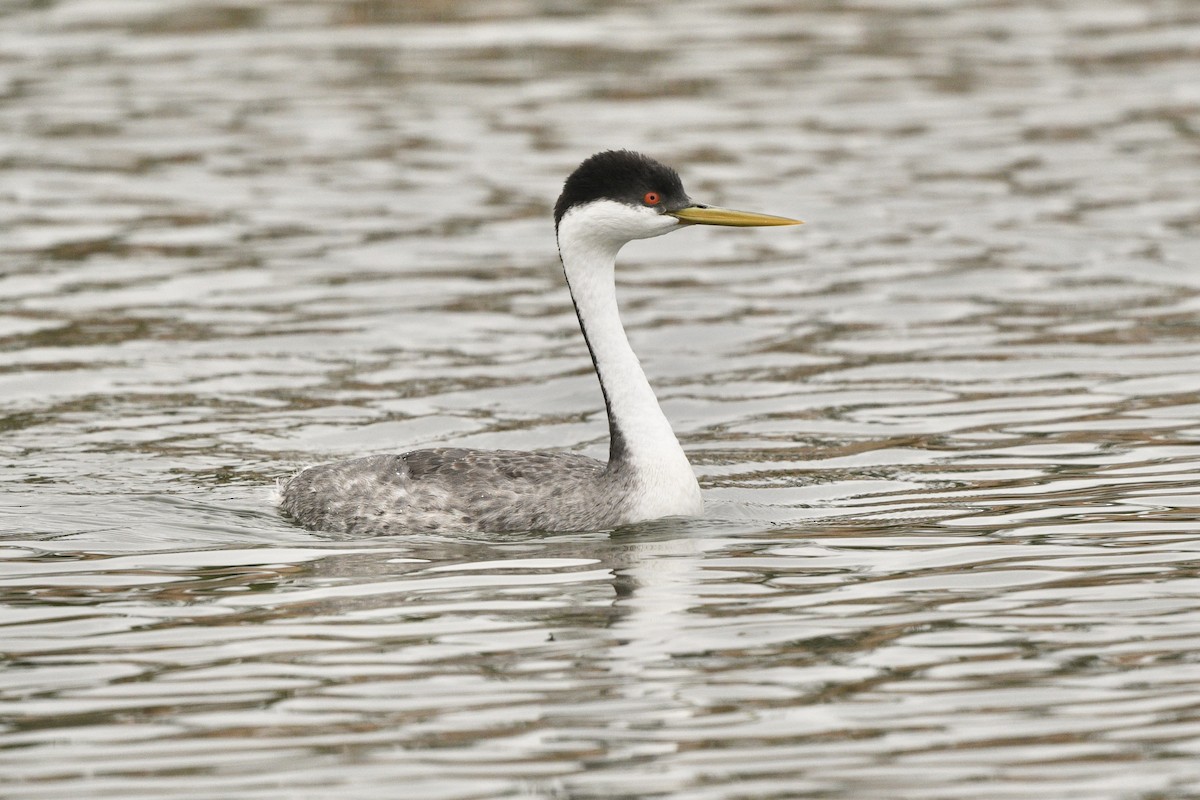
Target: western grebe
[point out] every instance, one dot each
(613, 197)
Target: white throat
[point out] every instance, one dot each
(643, 445)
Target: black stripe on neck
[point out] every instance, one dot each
(618, 447)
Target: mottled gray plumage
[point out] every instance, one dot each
(456, 488)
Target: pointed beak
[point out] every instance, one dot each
(711, 215)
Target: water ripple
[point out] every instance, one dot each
(947, 432)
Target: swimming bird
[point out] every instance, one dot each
(611, 199)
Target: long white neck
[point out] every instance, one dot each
(642, 445)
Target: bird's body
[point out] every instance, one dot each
(610, 199)
(453, 488)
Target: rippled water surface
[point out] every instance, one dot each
(949, 431)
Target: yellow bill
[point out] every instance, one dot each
(711, 215)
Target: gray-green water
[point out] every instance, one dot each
(949, 432)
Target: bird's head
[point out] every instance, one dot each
(618, 195)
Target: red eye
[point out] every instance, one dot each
(652, 198)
